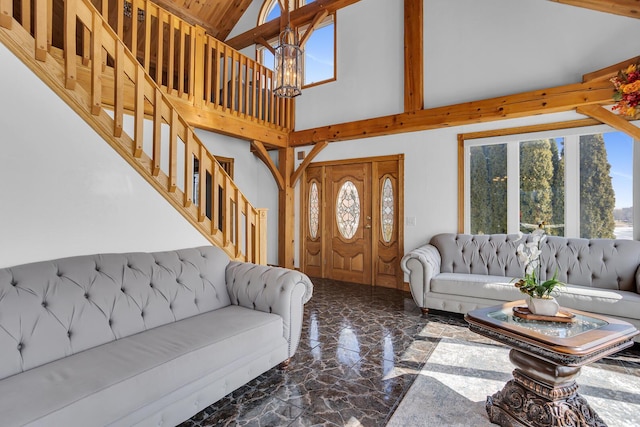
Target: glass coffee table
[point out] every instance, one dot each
(548, 357)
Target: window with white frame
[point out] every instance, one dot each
(319, 50)
(578, 182)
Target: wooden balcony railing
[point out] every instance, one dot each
(186, 62)
(155, 139)
(181, 58)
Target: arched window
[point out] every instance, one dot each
(319, 49)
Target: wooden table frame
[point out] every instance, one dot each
(543, 391)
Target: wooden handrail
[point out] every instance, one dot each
(202, 70)
(192, 178)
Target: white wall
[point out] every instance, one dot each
(370, 75)
(482, 49)
(473, 50)
(63, 190)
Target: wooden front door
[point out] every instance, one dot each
(349, 213)
(352, 221)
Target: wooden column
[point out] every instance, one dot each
(413, 56)
(285, 210)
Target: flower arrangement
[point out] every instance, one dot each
(529, 255)
(627, 94)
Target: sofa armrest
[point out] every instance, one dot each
(421, 264)
(273, 290)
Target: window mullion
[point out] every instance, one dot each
(467, 189)
(513, 187)
(572, 186)
(636, 189)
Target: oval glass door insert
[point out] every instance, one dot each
(348, 210)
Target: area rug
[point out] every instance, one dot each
(453, 385)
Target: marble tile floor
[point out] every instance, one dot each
(361, 349)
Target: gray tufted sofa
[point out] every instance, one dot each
(461, 272)
(139, 338)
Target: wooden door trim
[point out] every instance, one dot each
(357, 160)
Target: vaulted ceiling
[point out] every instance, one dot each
(218, 17)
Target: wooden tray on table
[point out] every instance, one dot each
(562, 316)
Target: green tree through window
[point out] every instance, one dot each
(541, 190)
(597, 198)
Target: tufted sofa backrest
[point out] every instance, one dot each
(598, 263)
(52, 309)
(493, 254)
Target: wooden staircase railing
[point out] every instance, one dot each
(157, 141)
(189, 64)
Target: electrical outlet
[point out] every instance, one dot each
(410, 221)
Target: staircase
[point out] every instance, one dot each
(140, 123)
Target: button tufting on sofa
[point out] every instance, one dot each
(602, 275)
(82, 355)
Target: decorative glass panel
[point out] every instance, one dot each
(386, 208)
(314, 211)
(348, 210)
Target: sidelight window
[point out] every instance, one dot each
(386, 210)
(314, 210)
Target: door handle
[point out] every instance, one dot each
(367, 226)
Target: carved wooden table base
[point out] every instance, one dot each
(548, 357)
(531, 399)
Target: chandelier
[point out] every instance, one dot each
(288, 65)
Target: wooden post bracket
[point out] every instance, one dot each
(307, 160)
(263, 155)
(607, 117)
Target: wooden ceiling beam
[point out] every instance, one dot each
(310, 29)
(230, 124)
(610, 71)
(300, 16)
(551, 100)
(185, 15)
(629, 8)
(263, 42)
(607, 117)
(413, 55)
(228, 20)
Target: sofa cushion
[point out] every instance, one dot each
(476, 285)
(609, 302)
(104, 382)
(52, 309)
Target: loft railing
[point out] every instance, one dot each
(182, 59)
(188, 63)
(154, 139)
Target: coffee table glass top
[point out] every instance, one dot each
(581, 323)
